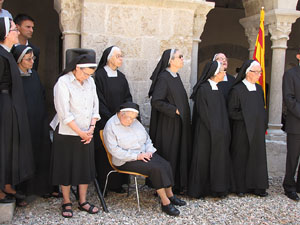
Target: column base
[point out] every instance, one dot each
(275, 133)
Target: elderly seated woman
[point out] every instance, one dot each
(132, 150)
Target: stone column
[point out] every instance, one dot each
(251, 26)
(70, 22)
(280, 24)
(199, 23)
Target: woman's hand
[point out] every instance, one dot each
(86, 137)
(177, 112)
(91, 130)
(145, 156)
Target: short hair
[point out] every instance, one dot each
(22, 17)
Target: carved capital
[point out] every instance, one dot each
(200, 17)
(69, 15)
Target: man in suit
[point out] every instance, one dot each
(25, 25)
(228, 81)
(291, 98)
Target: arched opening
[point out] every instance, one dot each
(46, 36)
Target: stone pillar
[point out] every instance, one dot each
(251, 26)
(280, 24)
(70, 23)
(199, 22)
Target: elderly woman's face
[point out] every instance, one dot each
(127, 118)
(117, 58)
(254, 74)
(82, 74)
(13, 34)
(177, 60)
(222, 59)
(27, 61)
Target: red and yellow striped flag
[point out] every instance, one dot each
(259, 51)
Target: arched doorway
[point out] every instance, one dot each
(46, 36)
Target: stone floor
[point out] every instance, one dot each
(275, 209)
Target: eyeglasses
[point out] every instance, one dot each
(179, 57)
(86, 74)
(221, 59)
(256, 72)
(15, 29)
(30, 59)
(119, 56)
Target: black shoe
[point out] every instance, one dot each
(17, 195)
(170, 209)
(292, 195)
(176, 201)
(264, 194)
(240, 194)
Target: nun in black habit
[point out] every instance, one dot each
(170, 123)
(16, 160)
(38, 122)
(210, 166)
(112, 90)
(246, 108)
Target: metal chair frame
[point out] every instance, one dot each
(115, 170)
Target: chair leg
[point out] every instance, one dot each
(137, 193)
(112, 171)
(100, 196)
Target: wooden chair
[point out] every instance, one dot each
(115, 170)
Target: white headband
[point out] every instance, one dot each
(85, 65)
(215, 56)
(171, 54)
(254, 63)
(23, 53)
(112, 51)
(7, 25)
(218, 68)
(129, 109)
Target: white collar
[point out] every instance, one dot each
(225, 77)
(110, 72)
(213, 84)
(250, 86)
(5, 47)
(28, 74)
(172, 73)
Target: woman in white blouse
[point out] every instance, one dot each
(76, 104)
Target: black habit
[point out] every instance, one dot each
(16, 160)
(39, 130)
(171, 133)
(112, 92)
(225, 86)
(248, 148)
(210, 166)
(291, 98)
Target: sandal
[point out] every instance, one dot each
(90, 210)
(64, 210)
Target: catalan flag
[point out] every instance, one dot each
(259, 51)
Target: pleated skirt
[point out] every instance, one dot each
(72, 162)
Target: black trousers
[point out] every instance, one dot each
(158, 170)
(292, 160)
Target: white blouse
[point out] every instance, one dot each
(74, 101)
(125, 143)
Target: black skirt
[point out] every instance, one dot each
(158, 170)
(72, 162)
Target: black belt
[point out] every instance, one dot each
(4, 91)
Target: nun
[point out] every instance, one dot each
(113, 90)
(76, 104)
(170, 123)
(16, 160)
(38, 122)
(210, 166)
(132, 150)
(246, 108)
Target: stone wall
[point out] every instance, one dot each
(143, 30)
